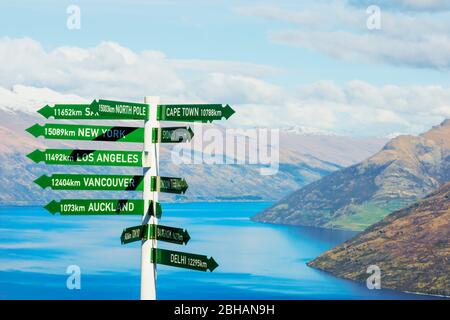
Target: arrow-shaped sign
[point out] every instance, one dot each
(159, 232)
(133, 234)
(88, 157)
(193, 112)
(101, 207)
(169, 234)
(123, 110)
(168, 185)
(87, 132)
(91, 182)
(183, 260)
(69, 111)
(97, 110)
(172, 135)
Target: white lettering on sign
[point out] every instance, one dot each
(173, 112)
(191, 112)
(88, 132)
(123, 109)
(118, 158)
(64, 182)
(111, 207)
(60, 157)
(121, 182)
(177, 259)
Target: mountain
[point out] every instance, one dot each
(407, 168)
(410, 246)
(343, 150)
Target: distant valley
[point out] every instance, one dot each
(310, 160)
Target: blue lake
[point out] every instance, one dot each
(256, 261)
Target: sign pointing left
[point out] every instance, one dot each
(87, 132)
(96, 207)
(91, 182)
(97, 110)
(133, 234)
(88, 157)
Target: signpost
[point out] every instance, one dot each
(91, 182)
(172, 135)
(101, 110)
(151, 135)
(96, 207)
(88, 157)
(169, 185)
(133, 234)
(194, 112)
(169, 234)
(183, 260)
(70, 112)
(158, 232)
(151, 150)
(86, 132)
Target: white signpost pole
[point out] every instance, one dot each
(151, 168)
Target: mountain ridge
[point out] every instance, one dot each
(405, 169)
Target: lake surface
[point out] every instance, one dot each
(256, 261)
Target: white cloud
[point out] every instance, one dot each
(33, 76)
(117, 72)
(360, 106)
(238, 89)
(431, 5)
(414, 39)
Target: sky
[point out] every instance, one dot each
(278, 63)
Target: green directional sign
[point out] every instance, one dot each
(193, 112)
(172, 135)
(123, 110)
(87, 132)
(70, 111)
(133, 234)
(169, 234)
(168, 185)
(91, 182)
(97, 110)
(183, 260)
(159, 232)
(88, 157)
(96, 207)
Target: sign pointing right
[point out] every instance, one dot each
(172, 135)
(183, 260)
(169, 234)
(194, 112)
(168, 185)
